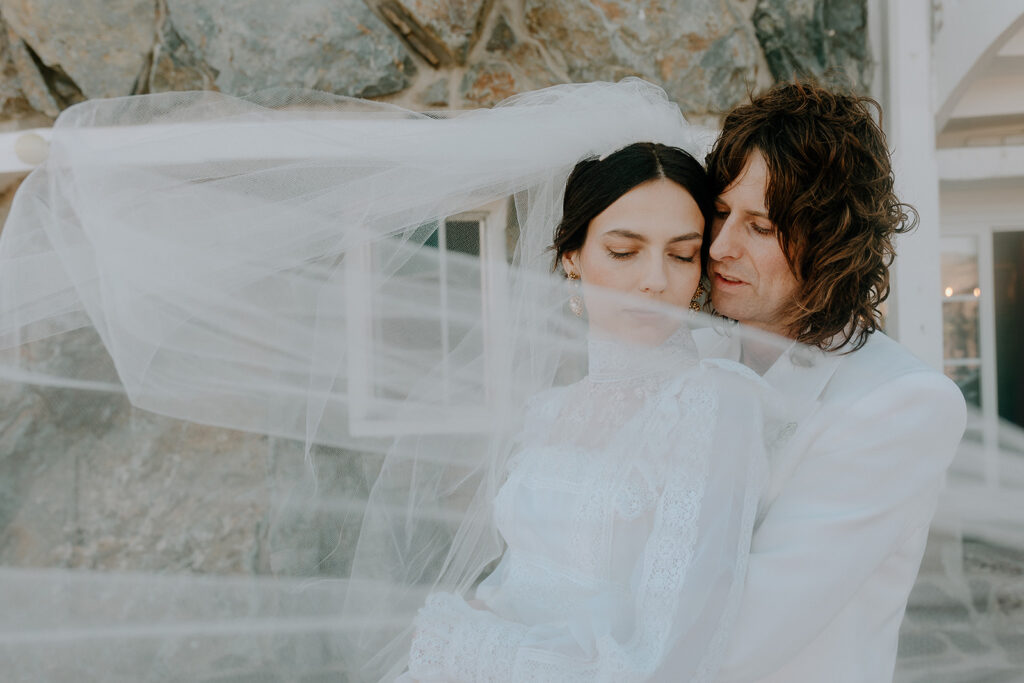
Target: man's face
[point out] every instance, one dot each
(750, 279)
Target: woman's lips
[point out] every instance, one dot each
(646, 315)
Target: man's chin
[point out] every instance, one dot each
(725, 305)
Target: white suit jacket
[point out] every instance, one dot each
(844, 521)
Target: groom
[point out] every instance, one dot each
(800, 246)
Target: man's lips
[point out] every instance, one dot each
(727, 281)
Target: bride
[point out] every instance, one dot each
(279, 265)
(627, 508)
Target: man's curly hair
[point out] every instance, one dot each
(830, 196)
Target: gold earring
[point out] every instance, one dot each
(695, 301)
(576, 300)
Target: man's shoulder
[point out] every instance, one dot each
(884, 364)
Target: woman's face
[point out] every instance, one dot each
(646, 244)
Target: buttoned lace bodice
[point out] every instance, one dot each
(600, 513)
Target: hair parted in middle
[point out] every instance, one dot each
(595, 184)
(830, 196)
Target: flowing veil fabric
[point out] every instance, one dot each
(268, 359)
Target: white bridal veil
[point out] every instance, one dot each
(264, 362)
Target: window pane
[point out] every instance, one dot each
(464, 236)
(960, 329)
(960, 267)
(1008, 300)
(968, 378)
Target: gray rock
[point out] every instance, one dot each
(338, 47)
(102, 45)
(87, 481)
(920, 644)
(437, 94)
(502, 37)
(814, 38)
(702, 52)
(23, 89)
(519, 69)
(446, 27)
(175, 66)
(968, 643)
(508, 66)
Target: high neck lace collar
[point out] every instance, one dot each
(615, 361)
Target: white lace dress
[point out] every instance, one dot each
(627, 514)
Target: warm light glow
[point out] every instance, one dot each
(949, 291)
(977, 291)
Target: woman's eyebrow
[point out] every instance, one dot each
(686, 238)
(629, 234)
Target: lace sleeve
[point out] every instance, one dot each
(684, 590)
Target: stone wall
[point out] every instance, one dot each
(424, 54)
(87, 482)
(72, 491)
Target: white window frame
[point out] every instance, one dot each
(987, 421)
(372, 416)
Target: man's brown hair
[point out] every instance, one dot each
(830, 196)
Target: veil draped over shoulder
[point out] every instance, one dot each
(266, 366)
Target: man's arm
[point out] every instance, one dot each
(867, 482)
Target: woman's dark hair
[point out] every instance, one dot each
(595, 184)
(830, 196)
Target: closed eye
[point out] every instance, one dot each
(686, 259)
(620, 254)
(761, 230)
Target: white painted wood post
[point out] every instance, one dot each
(915, 308)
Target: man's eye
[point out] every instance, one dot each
(720, 214)
(762, 230)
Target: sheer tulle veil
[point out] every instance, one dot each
(304, 322)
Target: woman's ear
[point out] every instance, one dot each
(570, 263)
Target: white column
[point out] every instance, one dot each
(915, 309)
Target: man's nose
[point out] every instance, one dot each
(726, 239)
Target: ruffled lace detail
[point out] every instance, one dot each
(455, 643)
(614, 361)
(635, 497)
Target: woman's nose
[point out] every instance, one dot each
(655, 278)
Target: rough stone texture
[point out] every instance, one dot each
(702, 52)
(419, 53)
(102, 45)
(522, 68)
(502, 36)
(815, 37)
(339, 47)
(448, 26)
(507, 66)
(24, 89)
(196, 517)
(437, 94)
(175, 66)
(87, 482)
